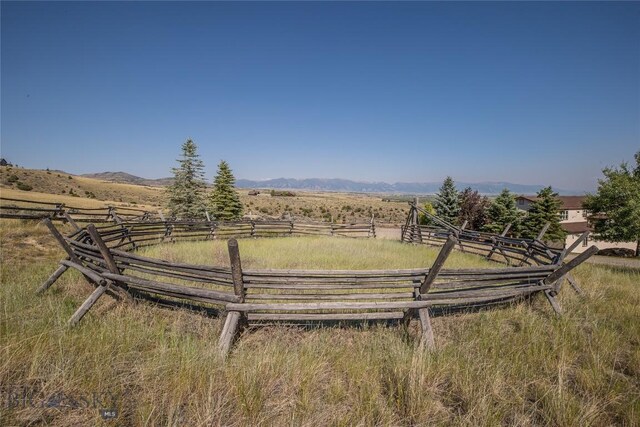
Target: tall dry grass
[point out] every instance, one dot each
(519, 365)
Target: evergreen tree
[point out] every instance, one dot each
(615, 208)
(186, 194)
(224, 201)
(544, 209)
(503, 211)
(473, 209)
(447, 201)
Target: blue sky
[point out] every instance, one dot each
(540, 93)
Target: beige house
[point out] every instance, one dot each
(573, 219)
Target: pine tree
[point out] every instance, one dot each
(186, 194)
(473, 209)
(224, 201)
(447, 201)
(544, 209)
(503, 211)
(615, 208)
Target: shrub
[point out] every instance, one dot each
(24, 187)
(12, 179)
(282, 193)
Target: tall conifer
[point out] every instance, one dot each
(185, 196)
(224, 201)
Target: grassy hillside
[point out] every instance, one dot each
(514, 366)
(62, 184)
(73, 189)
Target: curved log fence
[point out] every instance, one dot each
(510, 250)
(30, 209)
(105, 256)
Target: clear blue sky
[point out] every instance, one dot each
(540, 93)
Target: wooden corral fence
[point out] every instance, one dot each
(106, 258)
(30, 209)
(148, 225)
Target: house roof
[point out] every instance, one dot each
(575, 227)
(568, 202)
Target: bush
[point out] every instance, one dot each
(24, 187)
(619, 252)
(282, 193)
(12, 179)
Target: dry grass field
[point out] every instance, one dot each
(519, 365)
(55, 186)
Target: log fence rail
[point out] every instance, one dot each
(106, 257)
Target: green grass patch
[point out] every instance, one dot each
(314, 253)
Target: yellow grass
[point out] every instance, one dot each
(48, 186)
(519, 365)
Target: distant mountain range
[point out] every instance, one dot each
(342, 185)
(345, 185)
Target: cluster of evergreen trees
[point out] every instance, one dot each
(480, 213)
(614, 209)
(187, 196)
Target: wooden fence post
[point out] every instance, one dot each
(70, 220)
(561, 272)
(51, 280)
(72, 256)
(236, 268)
(87, 304)
(496, 243)
(427, 339)
(566, 251)
(108, 258)
(543, 231)
(437, 265)
(372, 229)
(417, 233)
(234, 318)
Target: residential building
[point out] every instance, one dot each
(573, 219)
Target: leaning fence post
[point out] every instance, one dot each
(106, 254)
(234, 318)
(543, 231)
(427, 339)
(437, 265)
(65, 246)
(70, 220)
(561, 272)
(236, 269)
(494, 246)
(560, 259)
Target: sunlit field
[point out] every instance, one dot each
(517, 365)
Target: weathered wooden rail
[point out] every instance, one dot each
(105, 256)
(498, 247)
(35, 210)
(146, 227)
